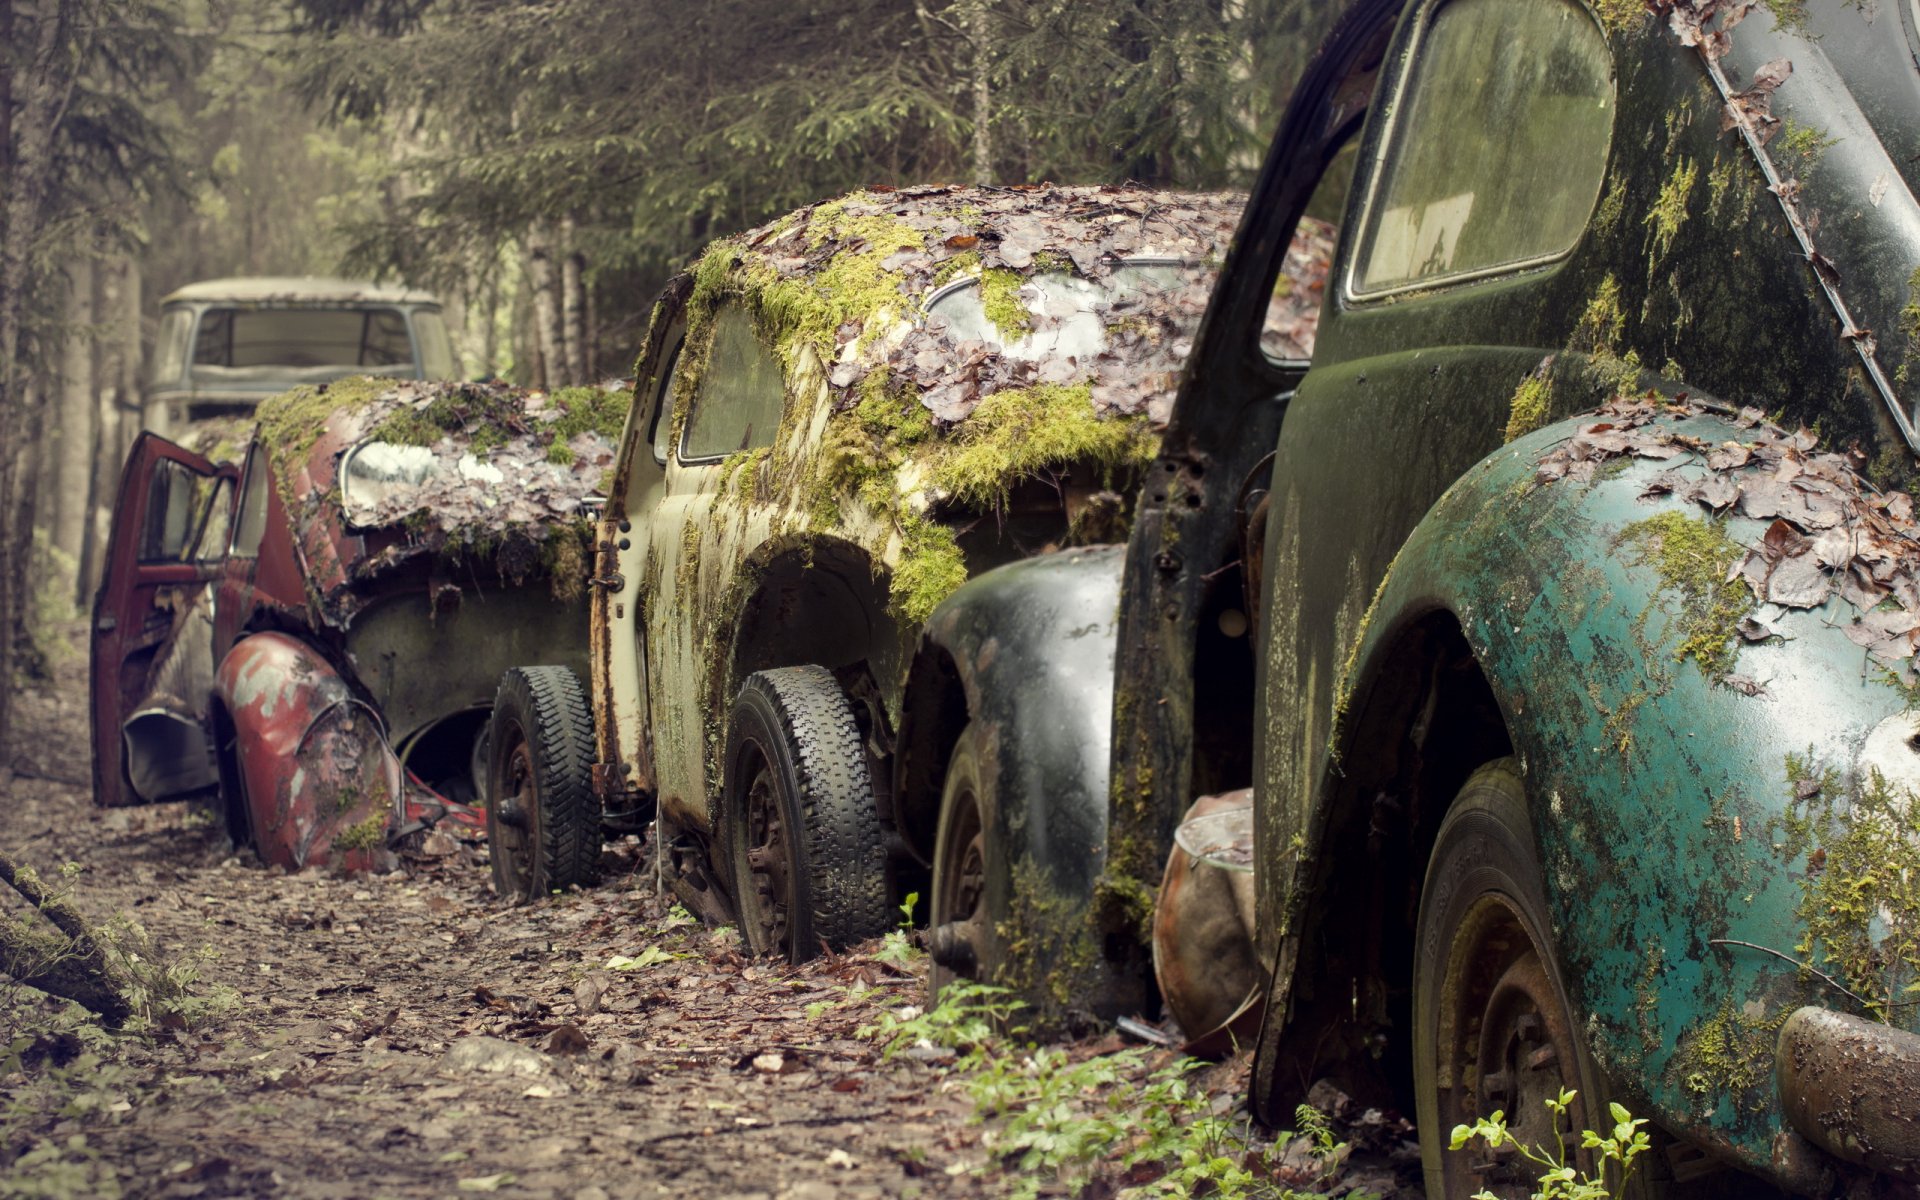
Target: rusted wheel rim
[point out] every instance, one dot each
(960, 907)
(1510, 1048)
(769, 859)
(519, 822)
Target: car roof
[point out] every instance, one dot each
(297, 289)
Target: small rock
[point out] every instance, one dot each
(771, 1064)
(494, 1056)
(588, 992)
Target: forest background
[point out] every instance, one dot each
(544, 165)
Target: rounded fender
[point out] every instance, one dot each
(320, 782)
(1030, 646)
(1716, 782)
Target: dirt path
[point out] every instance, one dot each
(408, 1035)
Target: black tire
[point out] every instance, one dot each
(800, 824)
(234, 807)
(543, 823)
(1493, 1027)
(968, 887)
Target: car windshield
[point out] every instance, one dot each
(1058, 315)
(325, 342)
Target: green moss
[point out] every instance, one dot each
(567, 556)
(362, 835)
(1802, 146)
(1860, 904)
(1013, 434)
(1602, 324)
(1612, 205)
(1693, 558)
(560, 454)
(590, 410)
(1620, 16)
(1669, 210)
(1046, 941)
(1731, 1053)
(855, 287)
(1123, 904)
(964, 263)
(931, 567)
(1005, 310)
(1719, 183)
(1910, 325)
(1527, 410)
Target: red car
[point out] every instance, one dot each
(315, 637)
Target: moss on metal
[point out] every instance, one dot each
(1669, 211)
(1860, 904)
(1000, 300)
(1528, 408)
(1693, 557)
(1047, 944)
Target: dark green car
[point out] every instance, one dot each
(1560, 612)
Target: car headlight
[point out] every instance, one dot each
(378, 473)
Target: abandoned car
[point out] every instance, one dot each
(316, 636)
(839, 417)
(224, 345)
(1582, 745)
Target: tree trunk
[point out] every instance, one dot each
(32, 104)
(573, 305)
(73, 490)
(978, 18)
(74, 966)
(552, 367)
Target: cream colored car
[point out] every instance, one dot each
(839, 417)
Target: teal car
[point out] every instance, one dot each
(1559, 611)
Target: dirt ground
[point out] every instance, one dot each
(410, 1036)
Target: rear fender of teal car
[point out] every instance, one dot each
(1721, 790)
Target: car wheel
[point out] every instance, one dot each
(800, 825)
(543, 823)
(963, 940)
(234, 806)
(1493, 1029)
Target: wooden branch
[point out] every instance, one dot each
(82, 973)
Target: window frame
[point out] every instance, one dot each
(1379, 160)
(663, 404)
(680, 454)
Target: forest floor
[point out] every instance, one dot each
(409, 1035)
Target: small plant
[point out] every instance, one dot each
(967, 1021)
(896, 946)
(1559, 1180)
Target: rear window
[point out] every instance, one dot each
(294, 337)
(436, 349)
(1498, 147)
(170, 347)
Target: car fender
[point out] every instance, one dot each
(1685, 821)
(319, 780)
(1030, 646)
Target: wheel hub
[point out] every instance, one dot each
(770, 859)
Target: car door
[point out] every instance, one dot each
(625, 550)
(152, 624)
(732, 409)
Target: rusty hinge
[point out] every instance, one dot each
(615, 582)
(609, 779)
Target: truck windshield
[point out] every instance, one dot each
(355, 339)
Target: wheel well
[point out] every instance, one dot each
(822, 603)
(227, 763)
(1425, 721)
(933, 714)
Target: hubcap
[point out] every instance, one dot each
(1510, 1049)
(770, 861)
(518, 820)
(955, 944)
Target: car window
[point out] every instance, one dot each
(738, 403)
(303, 337)
(1065, 315)
(1498, 147)
(174, 508)
(660, 432)
(211, 546)
(170, 347)
(252, 526)
(436, 350)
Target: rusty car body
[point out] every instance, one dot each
(839, 417)
(1582, 743)
(314, 635)
(224, 345)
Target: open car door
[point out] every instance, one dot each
(152, 636)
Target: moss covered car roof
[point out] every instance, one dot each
(849, 280)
